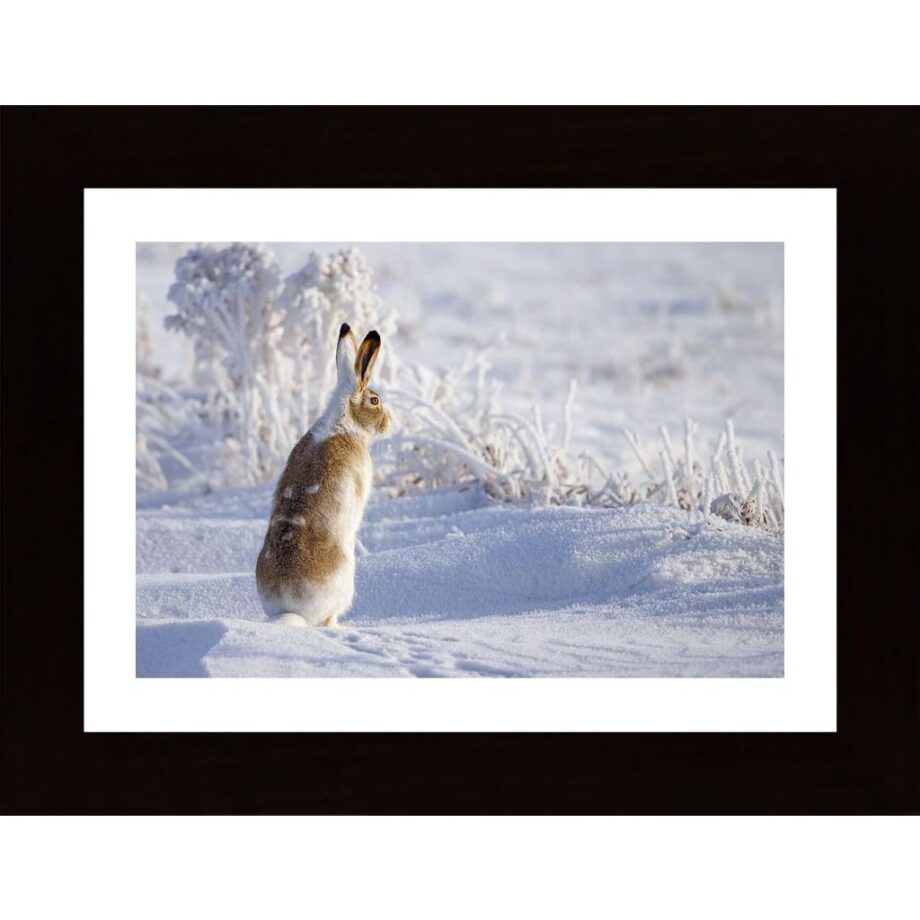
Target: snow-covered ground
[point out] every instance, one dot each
(456, 585)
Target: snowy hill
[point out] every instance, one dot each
(455, 584)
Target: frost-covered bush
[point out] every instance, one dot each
(263, 344)
(724, 488)
(444, 440)
(264, 349)
(226, 302)
(163, 417)
(144, 361)
(155, 425)
(315, 301)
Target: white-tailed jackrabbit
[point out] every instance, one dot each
(306, 570)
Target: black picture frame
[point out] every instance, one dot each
(871, 764)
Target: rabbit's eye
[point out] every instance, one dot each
(374, 401)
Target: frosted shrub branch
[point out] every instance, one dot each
(264, 346)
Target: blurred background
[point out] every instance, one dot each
(651, 332)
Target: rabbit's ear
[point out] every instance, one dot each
(367, 358)
(345, 352)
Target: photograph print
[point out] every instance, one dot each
(459, 460)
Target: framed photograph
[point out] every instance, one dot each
(487, 460)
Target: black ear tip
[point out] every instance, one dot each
(344, 330)
(373, 335)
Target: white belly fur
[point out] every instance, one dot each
(313, 601)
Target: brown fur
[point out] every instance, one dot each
(294, 551)
(373, 419)
(303, 542)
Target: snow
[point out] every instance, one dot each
(451, 582)
(457, 585)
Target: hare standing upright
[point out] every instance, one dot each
(306, 570)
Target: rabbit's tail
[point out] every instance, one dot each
(290, 619)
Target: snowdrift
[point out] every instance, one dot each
(455, 584)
